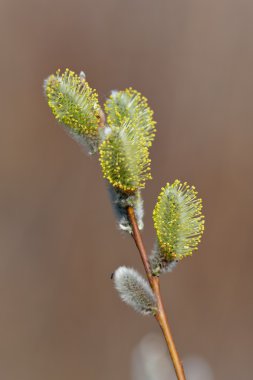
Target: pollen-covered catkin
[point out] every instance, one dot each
(124, 158)
(124, 154)
(178, 221)
(129, 104)
(75, 106)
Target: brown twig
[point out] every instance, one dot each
(155, 284)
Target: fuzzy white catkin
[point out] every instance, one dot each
(134, 290)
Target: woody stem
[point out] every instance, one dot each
(155, 285)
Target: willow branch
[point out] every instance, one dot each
(155, 285)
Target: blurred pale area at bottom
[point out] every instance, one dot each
(150, 361)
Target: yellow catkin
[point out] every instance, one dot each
(178, 220)
(124, 158)
(73, 102)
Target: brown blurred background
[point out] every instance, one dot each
(60, 317)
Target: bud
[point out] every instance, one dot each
(120, 202)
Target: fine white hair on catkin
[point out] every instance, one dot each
(134, 290)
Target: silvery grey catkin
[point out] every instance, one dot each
(134, 290)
